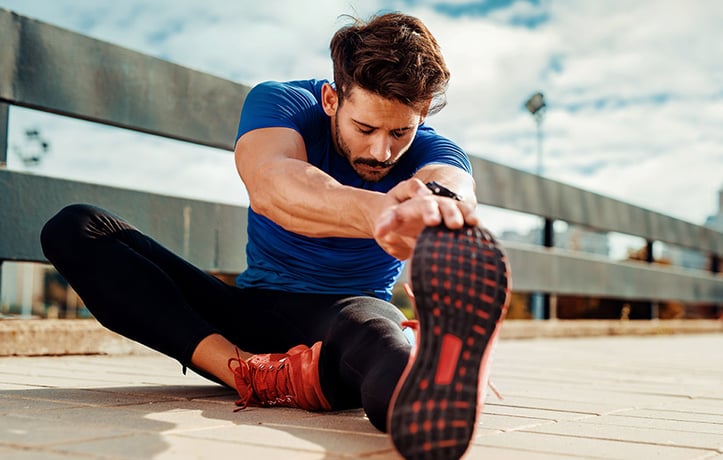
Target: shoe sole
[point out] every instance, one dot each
(460, 280)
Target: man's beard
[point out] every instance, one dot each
(343, 150)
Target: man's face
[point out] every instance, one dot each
(372, 132)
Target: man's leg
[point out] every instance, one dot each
(212, 355)
(364, 354)
(350, 352)
(139, 289)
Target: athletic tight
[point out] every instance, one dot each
(139, 289)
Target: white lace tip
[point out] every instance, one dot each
(494, 390)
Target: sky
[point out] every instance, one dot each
(634, 90)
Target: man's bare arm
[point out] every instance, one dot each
(300, 197)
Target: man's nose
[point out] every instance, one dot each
(381, 148)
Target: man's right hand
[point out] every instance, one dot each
(412, 207)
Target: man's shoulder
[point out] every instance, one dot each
(431, 147)
(293, 88)
(427, 138)
(290, 104)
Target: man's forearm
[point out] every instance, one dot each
(303, 199)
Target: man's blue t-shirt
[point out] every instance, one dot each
(281, 260)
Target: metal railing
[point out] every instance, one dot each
(54, 70)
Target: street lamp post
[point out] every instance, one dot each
(540, 302)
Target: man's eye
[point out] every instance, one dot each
(366, 131)
(398, 134)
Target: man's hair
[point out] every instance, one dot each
(394, 56)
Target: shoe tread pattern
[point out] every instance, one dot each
(460, 282)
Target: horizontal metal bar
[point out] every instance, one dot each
(55, 70)
(536, 269)
(210, 235)
(509, 188)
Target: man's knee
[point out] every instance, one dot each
(68, 226)
(359, 310)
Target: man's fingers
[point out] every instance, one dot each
(397, 229)
(409, 189)
(411, 216)
(456, 214)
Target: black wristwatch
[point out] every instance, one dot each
(441, 190)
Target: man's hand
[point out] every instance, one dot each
(412, 208)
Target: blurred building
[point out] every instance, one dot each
(716, 220)
(31, 290)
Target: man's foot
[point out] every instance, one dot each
(288, 379)
(460, 279)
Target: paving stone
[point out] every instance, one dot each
(675, 415)
(632, 434)
(491, 422)
(299, 437)
(123, 446)
(185, 414)
(698, 405)
(535, 413)
(477, 452)
(34, 454)
(714, 456)
(558, 403)
(181, 447)
(85, 397)
(25, 432)
(612, 398)
(50, 380)
(11, 404)
(585, 447)
(352, 421)
(625, 419)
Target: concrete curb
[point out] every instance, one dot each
(42, 337)
(525, 329)
(86, 336)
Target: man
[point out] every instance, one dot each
(345, 181)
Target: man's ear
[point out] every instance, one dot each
(329, 99)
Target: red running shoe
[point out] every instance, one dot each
(288, 379)
(460, 280)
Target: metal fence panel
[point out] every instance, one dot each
(210, 235)
(55, 70)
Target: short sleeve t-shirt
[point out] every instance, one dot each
(281, 260)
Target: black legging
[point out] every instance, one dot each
(139, 289)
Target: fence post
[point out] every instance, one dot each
(549, 299)
(4, 115)
(649, 258)
(4, 110)
(715, 269)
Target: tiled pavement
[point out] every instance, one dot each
(654, 397)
